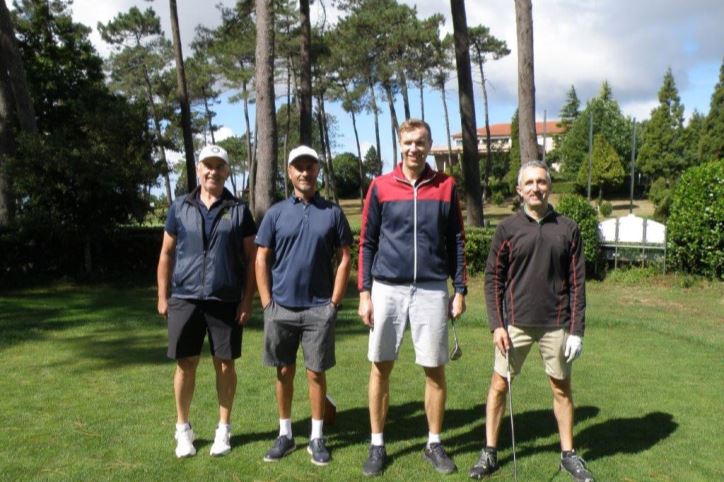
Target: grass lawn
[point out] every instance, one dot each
(86, 393)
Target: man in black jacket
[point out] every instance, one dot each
(206, 266)
(535, 292)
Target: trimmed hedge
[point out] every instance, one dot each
(696, 225)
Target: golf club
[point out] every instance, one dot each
(510, 409)
(456, 351)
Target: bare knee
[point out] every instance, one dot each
(317, 378)
(381, 370)
(286, 373)
(224, 367)
(561, 389)
(498, 385)
(435, 377)
(187, 366)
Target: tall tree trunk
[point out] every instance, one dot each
(488, 152)
(159, 139)
(422, 100)
(403, 90)
(208, 115)
(526, 81)
(249, 153)
(359, 152)
(447, 126)
(7, 144)
(471, 163)
(373, 99)
(183, 99)
(325, 161)
(305, 75)
(330, 160)
(288, 126)
(266, 147)
(393, 119)
(18, 82)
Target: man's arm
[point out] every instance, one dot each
(342, 276)
(457, 262)
(577, 285)
(243, 313)
(369, 236)
(263, 274)
(163, 273)
(496, 278)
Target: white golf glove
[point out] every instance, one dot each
(574, 347)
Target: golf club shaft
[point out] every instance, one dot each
(512, 425)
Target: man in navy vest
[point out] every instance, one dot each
(206, 266)
(299, 242)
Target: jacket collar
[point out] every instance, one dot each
(427, 174)
(227, 199)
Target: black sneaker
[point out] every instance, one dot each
(486, 464)
(376, 461)
(282, 446)
(576, 466)
(436, 455)
(320, 454)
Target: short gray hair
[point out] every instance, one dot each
(534, 163)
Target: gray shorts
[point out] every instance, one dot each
(425, 306)
(285, 328)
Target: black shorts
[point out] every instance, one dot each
(189, 320)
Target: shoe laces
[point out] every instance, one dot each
(487, 459)
(577, 462)
(437, 450)
(377, 452)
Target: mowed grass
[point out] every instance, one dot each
(85, 393)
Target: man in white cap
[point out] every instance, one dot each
(206, 284)
(302, 267)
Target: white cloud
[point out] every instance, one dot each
(224, 132)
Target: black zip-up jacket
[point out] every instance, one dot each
(210, 269)
(535, 274)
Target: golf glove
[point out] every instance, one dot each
(574, 347)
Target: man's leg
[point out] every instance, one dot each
(285, 390)
(225, 387)
(563, 410)
(317, 393)
(435, 394)
(184, 382)
(495, 408)
(379, 394)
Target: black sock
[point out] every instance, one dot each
(567, 453)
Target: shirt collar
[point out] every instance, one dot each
(315, 200)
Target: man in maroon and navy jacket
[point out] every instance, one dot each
(412, 241)
(535, 293)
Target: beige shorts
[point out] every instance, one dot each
(551, 345)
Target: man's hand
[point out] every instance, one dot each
(163, 307)
(574, 347)
(365, 309)
(456, 306)
(502, 340)
(243, 311)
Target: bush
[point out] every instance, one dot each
(580, 210)
(605, 208)
(498, 198)
(696, 225)
(660, 193)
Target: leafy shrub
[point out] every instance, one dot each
(498, 198)
(661, 194)
(696, 225)
(632, 275)
(477, 247)
(605, 208)
(580, 210)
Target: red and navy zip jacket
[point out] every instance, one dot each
(412, 232)
(536, 274)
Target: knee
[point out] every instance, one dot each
(562, 389)
(381, 371)
(286, 373)
(187, 366)
(317, 378)
(498, 385)
(224, 367)
(435, 378)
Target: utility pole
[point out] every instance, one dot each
(545, 132)
(590, 152)
(633, 157)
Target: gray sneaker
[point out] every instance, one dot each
(576, 467)
(436, 455)
(486, 464)
(320, 454)
(376, 461)
(282, 446)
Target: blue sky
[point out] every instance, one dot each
(577, 42)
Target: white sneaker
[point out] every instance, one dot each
(185, 443)
(222, 443)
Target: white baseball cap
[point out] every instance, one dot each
(302, 151)
(211, 151)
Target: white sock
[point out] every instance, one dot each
(285, 427)
(180, 427)
(433, 438)
(225, 426)
(378, 439)
(316, 429)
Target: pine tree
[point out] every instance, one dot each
(662, 149)
(606, 166)
(711, 147)
(570, 110)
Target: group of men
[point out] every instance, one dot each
(411, 244)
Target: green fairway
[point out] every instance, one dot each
(85, 393)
